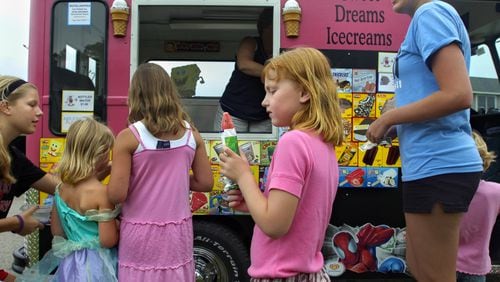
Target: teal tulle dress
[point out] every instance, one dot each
(79, 256)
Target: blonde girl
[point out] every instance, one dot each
(19, 115)
(292, 214)
(82, 219)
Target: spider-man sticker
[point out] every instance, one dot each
(364, 249)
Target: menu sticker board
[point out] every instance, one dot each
(51, 149)
(383, 102)
(216, 148)
(343, 79)
(78, 100)
(363, 105)
(352, 176)
(199, 202)
(386, 61)
(347, 128)
(251, 149)
(386, 82)
(67, 118)
(380, 177)
(364, 80)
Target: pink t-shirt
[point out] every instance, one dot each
(475, 230)
(306, 167)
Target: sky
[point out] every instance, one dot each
(14, 34)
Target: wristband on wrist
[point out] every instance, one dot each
(21, 223)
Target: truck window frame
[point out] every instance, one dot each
(59, 76)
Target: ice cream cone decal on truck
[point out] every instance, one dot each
(119, 16)
(291, 18)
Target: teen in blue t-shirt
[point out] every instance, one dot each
(440, 163)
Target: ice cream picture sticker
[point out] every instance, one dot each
(119, 15)
(291, 18)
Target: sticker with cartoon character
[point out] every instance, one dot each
(362, 249)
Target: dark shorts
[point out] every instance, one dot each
(453, 191)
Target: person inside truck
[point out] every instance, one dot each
(441, 166)
(473, 261)
(19, 114)
(293, 212)
(245, 91)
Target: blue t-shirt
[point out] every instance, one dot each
(442, 145)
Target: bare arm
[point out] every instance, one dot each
(244, 57)
(455, 94)
(108, 230)
(274, 214)
(9, 224)
(202, 179)
(29, 223)
(47, 183)
(125, 144)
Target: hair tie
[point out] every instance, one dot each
(13, 86)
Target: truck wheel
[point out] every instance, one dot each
(219, 254)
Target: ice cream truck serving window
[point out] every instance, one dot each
(197, 44)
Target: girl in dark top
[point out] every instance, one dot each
(19, 114)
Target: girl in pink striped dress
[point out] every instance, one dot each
(150, 176)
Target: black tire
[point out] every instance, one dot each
(220, 255)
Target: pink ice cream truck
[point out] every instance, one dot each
(82, 55)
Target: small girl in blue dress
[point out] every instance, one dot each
(82, 220)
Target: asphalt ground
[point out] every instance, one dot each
(10, 241)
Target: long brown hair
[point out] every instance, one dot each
(153, 99)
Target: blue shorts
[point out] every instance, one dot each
(453, 191)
